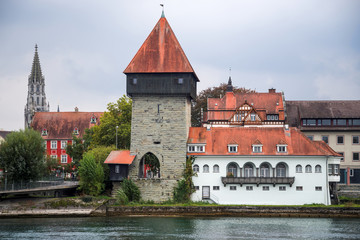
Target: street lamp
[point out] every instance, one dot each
(116, 137)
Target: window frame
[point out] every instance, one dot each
(299, 188)
(117, 169)
(356, 137)
(308, 168)
(216, 168)
(257, 146)
(318, 188)
(63, 144)
(53, 144)
(196, 170)
(327, 137)
(282, 188)
(206, 168)
(298, 168)
(311, 137)
(249, 188)
(232, 148)
(337, 139)
(280, 172)
(281, 148)
(358, 156)
(64, 158)
(266, 188)
(318, 168)
(232, 188)
(196, 148)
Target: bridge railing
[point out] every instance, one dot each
(6, 185)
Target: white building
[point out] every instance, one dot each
(261, 166)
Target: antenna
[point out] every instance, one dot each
(230, 71)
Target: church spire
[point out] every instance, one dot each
(229, 86)
(36, 99)
(36, 74)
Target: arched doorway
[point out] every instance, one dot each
(149, 166)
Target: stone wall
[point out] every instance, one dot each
(159, 125)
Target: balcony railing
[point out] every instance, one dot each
(258, 180)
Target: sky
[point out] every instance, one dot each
(309, 49)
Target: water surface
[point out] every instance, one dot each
(179, 228)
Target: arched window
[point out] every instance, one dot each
(248, 170)
(318, 169)
(308, 169)
(264, 170)
(232, 170)
(299, 168)
(37, 101)
(216, 168)
(281, 170)
(32, 88)
(205, 168)
(196, 168)
(149, 166)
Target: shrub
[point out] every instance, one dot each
(185, 187)
(91, 176)
(131, 190)
(121, 197)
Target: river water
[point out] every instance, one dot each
(179, 228)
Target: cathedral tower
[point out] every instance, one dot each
(36, 98)
(161, 83)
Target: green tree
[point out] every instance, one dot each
(211, 92)
(91, 175)
(131, 190)
(22, 155)
(100, 154)
(76, 150)
(118, 114)
(185, 187)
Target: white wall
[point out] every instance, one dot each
(257, 196)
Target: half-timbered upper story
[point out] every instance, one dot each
(245, 109)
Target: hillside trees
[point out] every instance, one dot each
(211, 92)
(22, 155)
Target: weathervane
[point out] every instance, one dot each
(162, 14)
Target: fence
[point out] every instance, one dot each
(6, 185)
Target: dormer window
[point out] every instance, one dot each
(93, 119)
(196, 148)
(257, 148)
(76, 131)
(281, 148)
(232, 148)
(253, 117)
(44, 132)
(272, 117)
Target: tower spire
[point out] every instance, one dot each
(229, 86)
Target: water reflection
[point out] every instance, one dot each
(179, 228)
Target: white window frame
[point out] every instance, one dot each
(299, 188)
(318, 188)
(252, 117)
(216, 188)
(216, 168)
(64, 158)
(196, 147)
(257, 148)
(266, 188)
(63, 144)
(117, 168)
(232, 148)
(282, 188)
(281, 148)
(196, 168)
(249, 188)
(351, 172)
(232, 188)
(53, 144)
(206, 168)
(317, 169)
(298, 168)
(53, 156)
(308, 168)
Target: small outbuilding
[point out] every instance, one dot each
(119, 162)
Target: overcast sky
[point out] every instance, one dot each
(310, 49)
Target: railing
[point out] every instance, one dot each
(258, 180)
(6, 185)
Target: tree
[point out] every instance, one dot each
(100, 154)
(211, 92)
(76, 150)
(118, 114)
(22, 155)
(185, 187)
(91, 175)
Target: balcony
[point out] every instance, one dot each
(258, 180)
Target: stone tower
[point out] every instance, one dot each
(161, 83)
(36, 98)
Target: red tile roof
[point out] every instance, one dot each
(120, 157)
(264, 103)
(160, 53)
(60, 125)
(218, 138)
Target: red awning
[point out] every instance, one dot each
(120, 157)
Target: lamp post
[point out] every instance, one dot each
(116, 137)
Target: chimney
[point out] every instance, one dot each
(272, 90)
(76, 109)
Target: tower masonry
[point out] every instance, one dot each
(36, 98)
(161, 83)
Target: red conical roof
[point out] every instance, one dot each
(160, 53)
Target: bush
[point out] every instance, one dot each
(91, 176)
(181, 192)
(121, 197)
(131, 190)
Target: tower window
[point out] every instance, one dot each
(32, 88)
(134, 81)
(180, 81)
(37, 101)
(37, 88)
